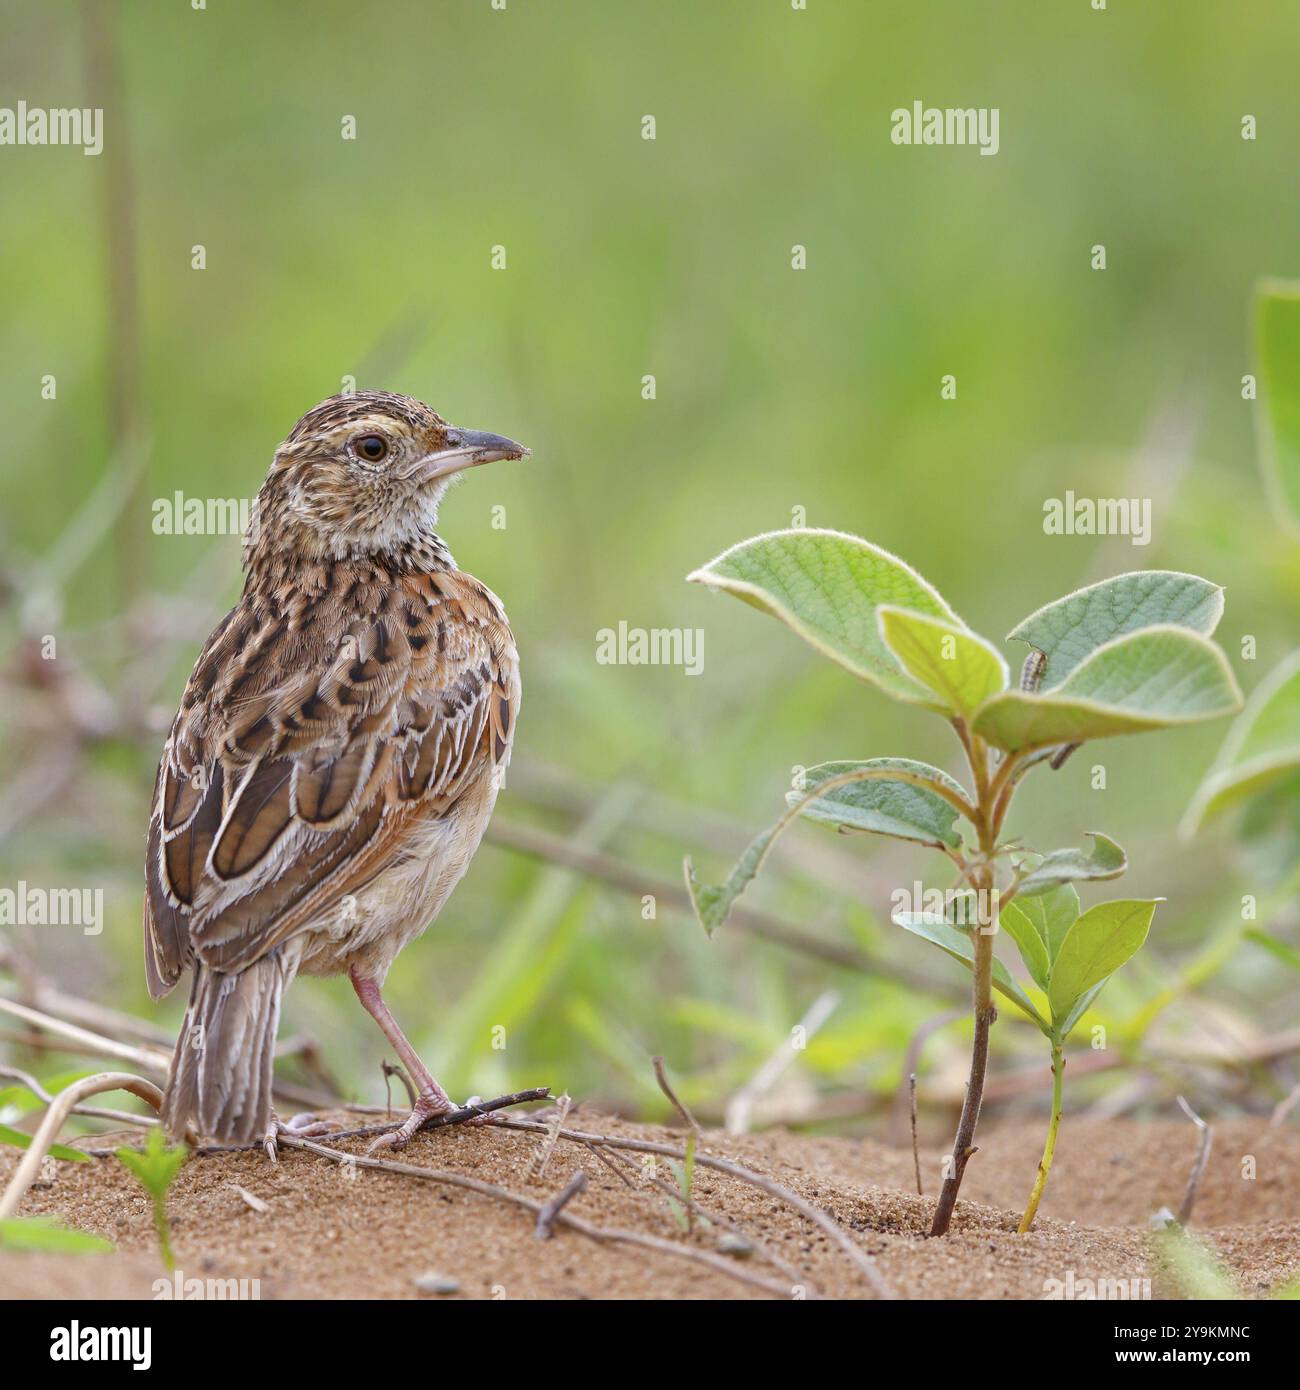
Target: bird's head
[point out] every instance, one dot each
(363, 474)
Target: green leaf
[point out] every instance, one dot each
(156, 1165)
(959, 946)
(960, 667)
(898, 808)
(1095, 947)
(1277, 348)
(1288, 955)
(1077, 1010)
(827, 586)
(1068, 631)
(1052, 914)
(21, 1140)
(45, 1233)
(1262, 747)
(1104, 860)
(1156, 678)
(712, 902)
(1032, 947)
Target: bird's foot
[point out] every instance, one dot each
(299, 1127)
(429, 1103)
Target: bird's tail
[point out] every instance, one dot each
(221, 1069)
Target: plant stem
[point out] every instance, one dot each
(1045, 1163)
(164, 1231)
(964, 1144)
(988, 821)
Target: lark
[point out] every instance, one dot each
(336, 756)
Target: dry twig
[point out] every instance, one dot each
(1198, 1168)
(602, 1234)
(545, 1227)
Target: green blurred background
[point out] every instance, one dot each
(777, 390)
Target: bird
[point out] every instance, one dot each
(335, 759)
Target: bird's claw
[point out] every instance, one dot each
(427, 1105)
(299, 1126)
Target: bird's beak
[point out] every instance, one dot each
(467, 449)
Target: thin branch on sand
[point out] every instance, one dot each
(452, 1117)
(90, 1112)
(865, 1264)
(545, 1227)
(29, 1169)
(603, 1234)
(661, 1076)
(1198, 1168)
(554, 1123)
(616, 1162)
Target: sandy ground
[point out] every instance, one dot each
(331, 1232)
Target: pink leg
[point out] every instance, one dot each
(432, 1099)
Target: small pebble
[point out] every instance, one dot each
(437, 1283)
(732, 1244)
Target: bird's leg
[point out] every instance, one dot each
(432, 1099)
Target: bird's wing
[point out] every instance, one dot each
(307, 744)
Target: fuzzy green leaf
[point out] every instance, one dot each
(712, 902)
(827, 586)
(898, 808)
(1068, 631)
(960, 667)
(1104, 860)
(1095, 947)
(1261, 750)
(957, 943)
(1277, 348)
(1156, 678)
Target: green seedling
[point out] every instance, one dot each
(1128, 655)
(155, 1167)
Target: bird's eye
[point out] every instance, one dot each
(371, 447)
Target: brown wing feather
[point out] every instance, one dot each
(296, 766)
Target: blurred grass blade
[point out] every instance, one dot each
(1277, 350)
